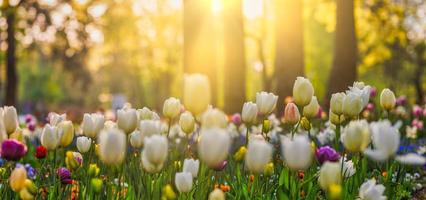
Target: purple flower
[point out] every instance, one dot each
(373, 92)
(28, 118)
(31, 172)
(12, 149)
(64, 175)
(31, 126)
(326, 153)
(236, 119)
(401, 100)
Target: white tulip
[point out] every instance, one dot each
(352, 105)
(187, 122)
(92, 124)
(55, 118)
(136, 139)
(249, 113)
(171, 107)
(302, 91)
(49, 137)
(112, 146)
(411, 159)
(259, 153)
(127, 120)
(196, 93)
(370, 191)
(150, 127)
(217, 194)
(348, 168)
(336, 103)
(311, 110)
(191, 166)
(155, 149)
(385, 139)
(214, 117)
(387, 99)
(83, 144)
(266, 102)
(148, 166)
(183, 181)
(362, 90)
(213, 146)
(356, 136)
(65, 133)
(297, 152)
(330, 174)
(10, 119)
(146, 113)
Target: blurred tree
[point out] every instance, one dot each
(11, 75)
(289, 59)
(200, 41)
(235, 66)
(344, 71)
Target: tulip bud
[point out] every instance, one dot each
(266, 126)
(196, 93)
(330, 174)
(191, 166)
(49, 137)
(302, 91)
(266, 102)
(259, 154)
(183, 181)
(94, 170)
(65, 133)
(83, 144)
(291, 114)
(112, 146)
(92, 124)
(352, 105)
(240, 154)
(311, 110)
(297, 152)
(356, 136)
(168, 193)
(336, 103)
(213, 146)
(10, 119)
(136, 139)
(17, 179)
(269, 169)
(12, 149)
(249, 113)
(326, 153)
(146, 114)
(336, 119)
(335, 192)
(171, 107)
(41, 152)
(150, 127)
(156, 148)
(73, 160)
(214, 118)
(127, 120)
(55, 118)
(64, 175)
(217, 194)
(387, 99)
(96, 184)
(187, 122)
(24, 194)
(305, 124)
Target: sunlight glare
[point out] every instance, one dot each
(253, 8)
(217, 7)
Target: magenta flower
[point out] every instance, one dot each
(370, 107)
(64, 175)
(326, 153)
(401, 100)
(417, 110)
(373, 92)
(12, 149)
(221, 166)
(417, 123)
(236, 119)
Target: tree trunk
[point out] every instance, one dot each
(235, 68)
(200, 41)
(11, 75)
(418, 73)
(344, 70)
(289, 59)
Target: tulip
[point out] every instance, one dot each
(305, 124)
(10, 119)
(17, 179)
(291, 114)
(196, 93)
(336, 119)
(12, 149)
(65, 133)
(214, 118)
(92, 124)
(335, 192)
(127, 120)
(49, 137)
(387, 99)
(326, 153)
(249, 113)
(83, 144)
(213, 146)
(171, 107)
(148, 166)
(266, 102)
(156, 148)
(146, 114)
(352, 105)
(73, 160)
(150, 127)
(55, 118)
(191, 166)
(240, 154)
(94, 170)
(187, 122)
(362, 90)
(269, 169)
(112, 146)
(236, 119)
(24, 194)
(311, 110)
(41, 152)
(302, 91)
(336, 103)
(385, 139)
(96, 184)
(168, 193)
(136, 139)
(348, 168)
(183, 181)
(64, 175)
(356, 136)
(330, 174)
(297, 152)
(369, 190)
(259, 154)
(217, 194)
